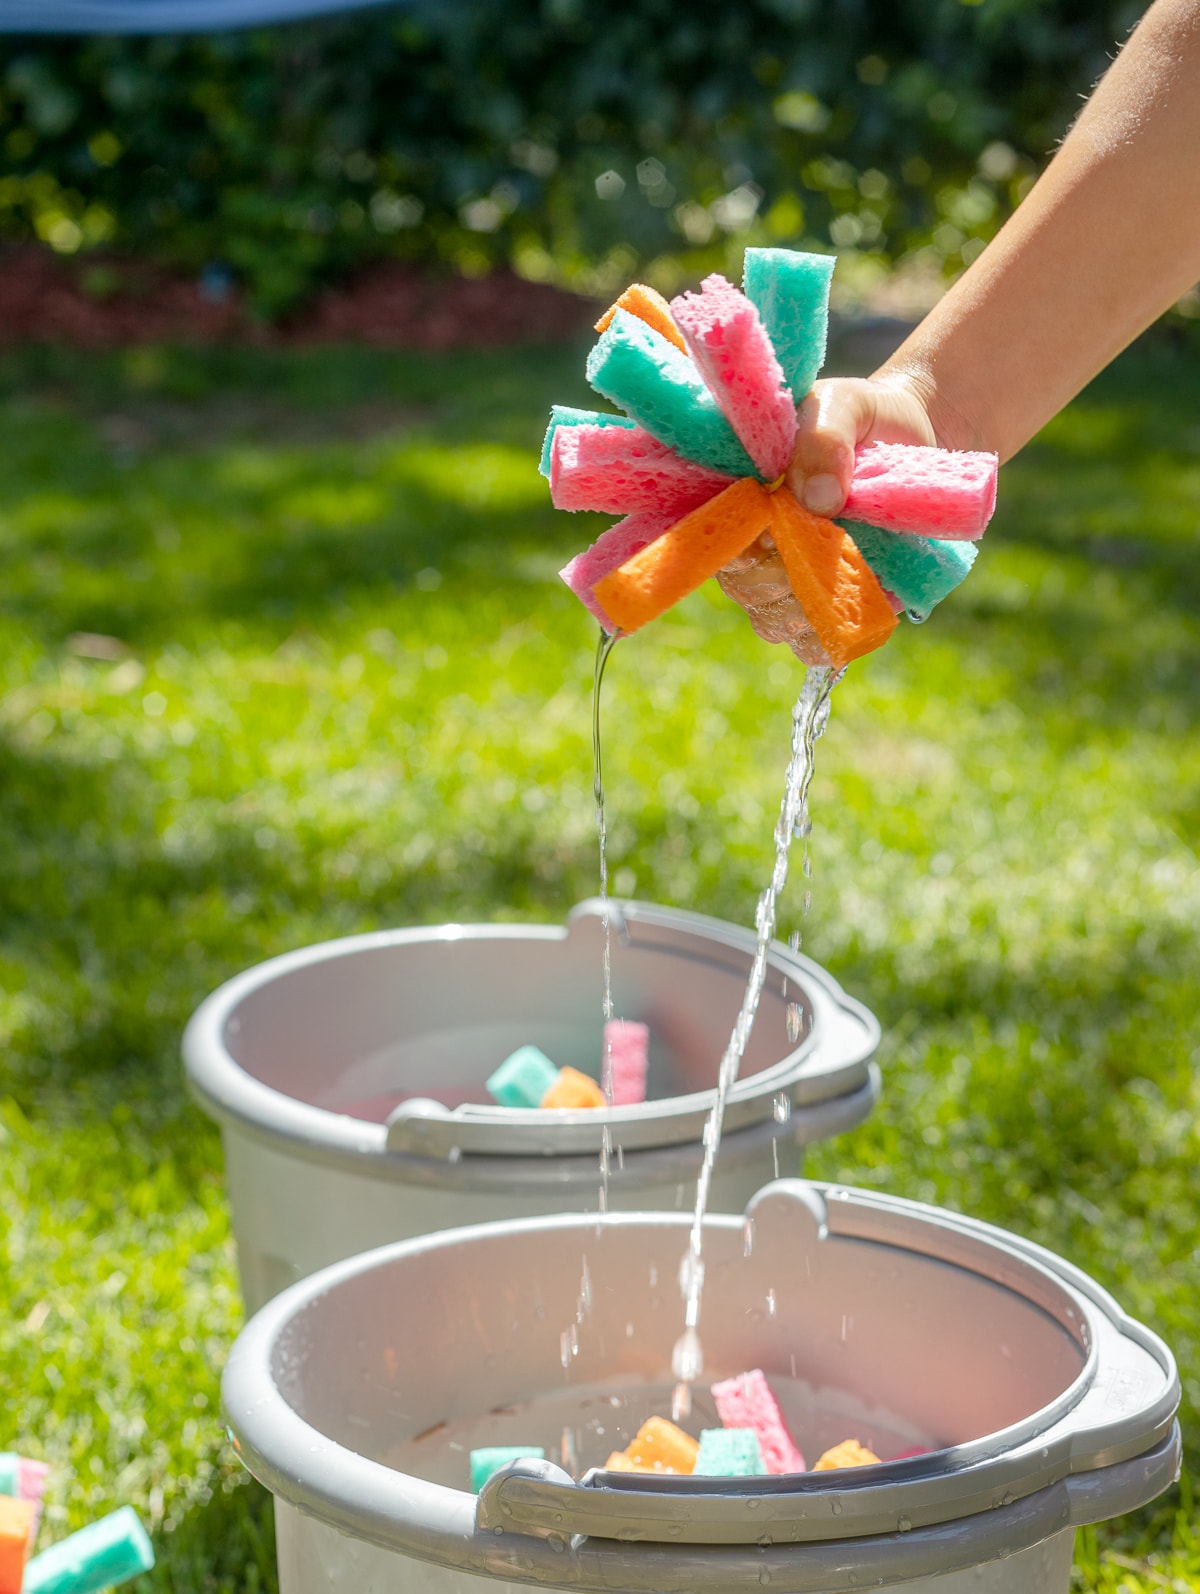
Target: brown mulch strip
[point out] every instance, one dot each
(105, 303)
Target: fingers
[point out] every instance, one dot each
(830, 422)
(835, 420)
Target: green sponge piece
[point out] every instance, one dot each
(523, 1078)
(664, 392)
(921, 571)
(485, 1462)
(564, 415)
(729, 1453)
(790, 291)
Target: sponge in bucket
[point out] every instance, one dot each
(790, 291)
(729, 1453)
(921, 571)
(848, 1454)
(683, 558)
(572, 1089)
(734, 355)
(933, 492)
(626, 1053)
(748, 1401)
(649, 306)
(489, 1460)
(659, 1446)
(16, 1534)
(624, 471)
(564, 415)
(610, 550)
(662, 390)
(100, 1556)
(523, 1078)
(841, 598)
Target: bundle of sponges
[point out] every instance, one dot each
(99, 1556)
(754, 1440)
(709, 385)
(527, 1078)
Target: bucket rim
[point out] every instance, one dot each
(833, 1059)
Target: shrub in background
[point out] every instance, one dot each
(575, 141)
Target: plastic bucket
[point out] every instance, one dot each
(349, 1078)
(357, 1395)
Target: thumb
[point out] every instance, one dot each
(837, 417)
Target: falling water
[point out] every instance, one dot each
(809, 719)
(603, 649)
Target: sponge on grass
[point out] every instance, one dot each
(622, 472)
(921, 571)
(649, 306)
(663, 391)
(684, 557)
(942, 492)
(734, 355)
(564, 415)
(834, 585)
(609, 551)
(790, 291)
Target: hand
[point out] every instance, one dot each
(834, 421)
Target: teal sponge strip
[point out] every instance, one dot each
(102, 1555)
(485, 1462)
(523, 1079)
(563, 415)
(664, 392)
(729, 1453)
(790, 291)
(921, 571)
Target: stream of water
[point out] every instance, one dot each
(809, 719)
(603, 649)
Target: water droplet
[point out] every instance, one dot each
(454, 1154)
(681, 1402)
(569, 1453)
(691, 1275)
(1007, 1497)
(781, 1107)
(904, 1524)
(752, 1503)
(764, 1575)
(628, 1330)
(653, 1275)
(835, 1505)
(687, 1358)
(770, 1303)
(795, 1021)
(564, 1348)
(748, 1237)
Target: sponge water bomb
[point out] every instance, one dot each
(102, 1555)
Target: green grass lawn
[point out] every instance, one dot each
(351, 694)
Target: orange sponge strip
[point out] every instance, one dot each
(649, 307)
(573, 1089)
(16, 1530)
(684, 557)
(832, 581)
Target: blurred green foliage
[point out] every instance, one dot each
(577, 142)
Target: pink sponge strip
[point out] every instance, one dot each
(626, 1048)
(608, 553)
(748, 1402)
(935, 492)
(623, 470)
(733, 353)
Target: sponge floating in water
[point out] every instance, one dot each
(697, 465)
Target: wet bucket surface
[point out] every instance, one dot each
(349, 1078)
(357, 1396)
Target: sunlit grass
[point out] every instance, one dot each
(346, 690)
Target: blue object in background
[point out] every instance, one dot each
(162, 16)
